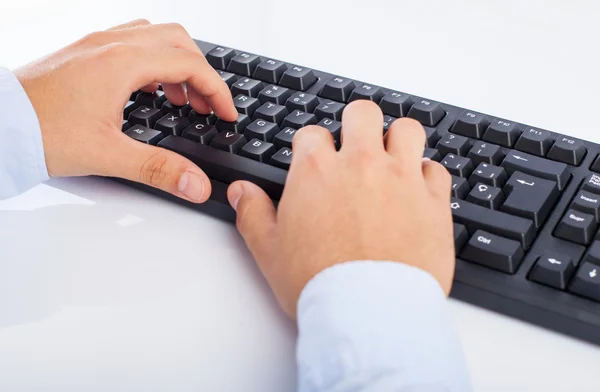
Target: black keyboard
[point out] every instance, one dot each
(525, 200)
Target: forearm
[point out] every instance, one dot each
(377, 326)
(22, 161)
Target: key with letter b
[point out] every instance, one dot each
(258, 150)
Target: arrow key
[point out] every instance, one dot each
(553, 270)
(587, 282)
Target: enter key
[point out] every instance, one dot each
(530, 197)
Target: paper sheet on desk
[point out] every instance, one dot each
(42, 196)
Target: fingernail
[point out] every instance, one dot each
(191, 185)
(426, 159)
(236, 190)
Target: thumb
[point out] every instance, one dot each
(256, 218)
(159, 168)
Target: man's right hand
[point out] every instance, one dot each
(369, 201)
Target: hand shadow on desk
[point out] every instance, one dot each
(113, 254)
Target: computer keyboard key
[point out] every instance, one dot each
(587, 202)
(554, 270)
(219, 57)
(586, 282)
(471, 124)
(457, 165)
(530, 197)
(246, 105)
(145, 116)
(200, 132)
(335, 127)
(275, 94)
(461, 236)
(271, 112)
(596, 165)
(432, 154)
(247, 86)
(237, 126)
(228, 77)
(453, 144)
(130, 106)
(387, 122)
(282, 158)
(576, 227)
(154, 100)
(329, 109)
(258, 150)
(460, 187)
(476, 217)
(535, 141)
(592, 183)
(537, 167)
(298, 78)
(593, 253)
(172, 124)
(209, 119)
(270, 71)
(396, 104)
(432, 136)
(144, 134)
(302, 101)
(368, 92)
(243, 64)
(486, 196)
(567, 150)
(483, 152)
(298, 119)
(225, 167)
(284, 138)
(125, 125)
(493, 251)
(502, 132)
(181, 111)
(337, 89)
(262, 130)
(228, 141)
(134, 94)
(428, 113)
(488, 174)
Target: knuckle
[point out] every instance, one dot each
(141, 21)
(95, 38)
(153, 172)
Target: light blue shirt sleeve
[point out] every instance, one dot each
(377, 326)
(22, 159)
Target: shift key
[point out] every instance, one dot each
(536, 166)
(476, 217)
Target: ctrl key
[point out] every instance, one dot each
(144, 134)
(587, 282)
(493, 251)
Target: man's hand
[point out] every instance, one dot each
(80, 91)
(369, 201)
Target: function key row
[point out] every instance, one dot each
(509, 134)
(266, 70)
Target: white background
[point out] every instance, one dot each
(105, 288)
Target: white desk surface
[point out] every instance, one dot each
(104, 288)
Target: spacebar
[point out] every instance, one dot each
(476, 217)
(227, 167)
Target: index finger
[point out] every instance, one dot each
(146, 65)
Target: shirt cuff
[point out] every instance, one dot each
(377, 326)
(22, 159)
